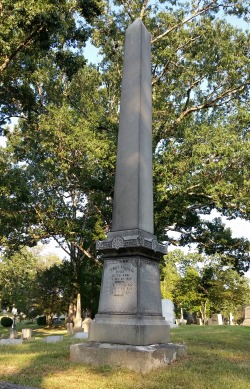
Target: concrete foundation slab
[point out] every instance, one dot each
(10, 341)
(53, 338)
(81, 335)
(137, 358)
(9, 385)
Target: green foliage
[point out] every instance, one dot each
(169, 276)
(17, 275)
(70, 178)
(18, 278)
(57, 286)
(6, 321)
(41, 321)
(31, 31)
(202, 285)
(200, 66)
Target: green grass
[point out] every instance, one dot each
(218, 358)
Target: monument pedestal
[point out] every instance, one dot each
(130, 301)
(137, 358)
(129, 330)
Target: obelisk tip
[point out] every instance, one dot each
(137, 23)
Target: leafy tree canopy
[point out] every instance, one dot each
(202, 285)
(18, 278)
(66, 141)
(31, 30)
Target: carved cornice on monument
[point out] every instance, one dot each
(118, 242)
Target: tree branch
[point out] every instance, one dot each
(170, 62)
(23, 45)
(143, 8)
(196, 13)
(195, 83)
(80, 247)
(209, 103)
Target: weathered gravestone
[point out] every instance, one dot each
(78, 317)
(69, 320)
(231, 319)
(86, 324)
(246, 321)
(217, 319)
(168, 312)
(129, 326)
(26, 333)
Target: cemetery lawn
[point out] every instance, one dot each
(218, 358)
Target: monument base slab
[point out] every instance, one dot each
(137, 358)
(130, 331)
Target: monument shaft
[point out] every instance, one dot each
(133, 197)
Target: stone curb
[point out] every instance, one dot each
(8, 385)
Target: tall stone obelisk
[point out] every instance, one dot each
(133, 197)
(130, 309)
(129, 329)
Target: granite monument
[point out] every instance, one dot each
(130, 312)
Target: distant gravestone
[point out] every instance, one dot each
(199, 322)
(182, 320)
(86, 324)
(231, 319)
(26, 333)
(13, 333)
(246, 321)
(168, 312)
(69, 321)
(78, 318)
(217, 319)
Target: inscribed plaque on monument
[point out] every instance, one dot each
(150, 297)
(119, 291)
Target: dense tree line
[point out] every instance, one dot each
(58, 166)
(38, 283)
(201, 285)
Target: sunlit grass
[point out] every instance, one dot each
(218, 358)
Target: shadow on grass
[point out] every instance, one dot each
(218, 357)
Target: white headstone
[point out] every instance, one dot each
(78, 318)
(86, 324)
(26, 333)
(217, 319)
(168, 312)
